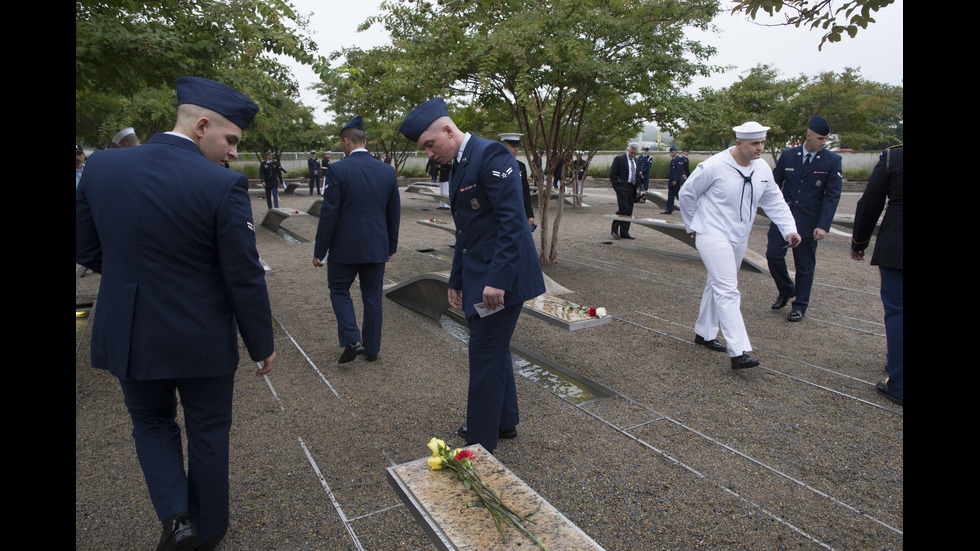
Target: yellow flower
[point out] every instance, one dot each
(435, 462)
(437, 446)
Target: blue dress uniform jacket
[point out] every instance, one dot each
(369, 232)
(173, 237)
(494, 246)
(812, 193)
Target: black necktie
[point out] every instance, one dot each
(746, 180)
(806, 162)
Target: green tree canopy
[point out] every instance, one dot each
(129, 54)
(568, 74)
(862, 114)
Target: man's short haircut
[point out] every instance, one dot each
(355, 135)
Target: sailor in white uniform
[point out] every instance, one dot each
(718, 204)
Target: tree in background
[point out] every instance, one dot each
(129, 54)
(837, 19)
(572, 74)
(862, 114)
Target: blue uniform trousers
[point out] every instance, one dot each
(492, 400)
(892, 298)
(272, 196)
(672, 190)
(202, 491)
(804, 261)
(339, 279)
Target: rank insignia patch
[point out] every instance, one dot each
(504, 174)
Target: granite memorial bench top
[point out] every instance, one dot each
(439, 502)
(427, 294)
(274, 217)
(752, 260)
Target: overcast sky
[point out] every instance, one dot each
(877, 52)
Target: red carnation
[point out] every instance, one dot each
(592, 312)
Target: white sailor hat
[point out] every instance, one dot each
(510, 136)
(750, 131)
(122, 134)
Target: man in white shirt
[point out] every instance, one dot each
(718, 204)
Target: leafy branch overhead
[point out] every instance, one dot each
(835, 18)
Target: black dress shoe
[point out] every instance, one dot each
(744, 361)
(502, 433)
(628, 236)
(781, 301)
(712, 344)
(666, 212)
(371, 357)
(212, 542)
(882, 388)
(795, 315)
(350, 352)
(178, 534)
(614, 235)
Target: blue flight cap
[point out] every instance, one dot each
(222, 99)
(672, 148)
(354, 123)
(819, 126)
(421, 117)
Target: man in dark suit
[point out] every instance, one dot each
(359, 229)
(314, 165)
(624, 176)
(495, 265)
(810, 178)
(171, 232)
(886, 184)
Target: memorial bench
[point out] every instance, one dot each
(568, 197)
(752, 260)
(428, 294)
(438, 501)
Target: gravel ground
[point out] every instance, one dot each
(799, 453)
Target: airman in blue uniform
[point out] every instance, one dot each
(643, 164)
(810, 178)
(675, 177)
(170, 230)
(358, 227)
(495, 265)
(314, 165)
